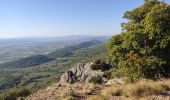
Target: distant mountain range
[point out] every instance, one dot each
(61, 39)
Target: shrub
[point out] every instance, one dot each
(142, 49)
(112, 73)
(96, 79)
(13, 94)
(100, 65)
(96, 66)
(112, 91)
(108, 74)
(88, 88)
(136, 67)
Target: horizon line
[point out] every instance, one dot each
(24, 37)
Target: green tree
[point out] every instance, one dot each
(142, 49)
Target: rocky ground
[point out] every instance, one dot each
(64, 92)
(81, 73)
(74, 85)
(83, 92)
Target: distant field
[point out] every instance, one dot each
(11, 53)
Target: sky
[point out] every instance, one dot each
(49, 18)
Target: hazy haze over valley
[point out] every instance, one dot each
(13, 49)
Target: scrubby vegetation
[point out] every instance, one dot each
(13, 94)
(27, 62)
(141, 90)
(138, 89)
(142, 49)
(88, 88)
(70, 51)
(96, 79)
(100, 65)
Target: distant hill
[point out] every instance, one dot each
(70, 50)
(80, 50)
(27, 62)
(89, 44)
(61, 39)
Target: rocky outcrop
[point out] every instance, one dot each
(81, 73)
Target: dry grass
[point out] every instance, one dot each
(145, 88)
(78, 90)
(69, 98)
(98, 97)
(136, 90)
(112, 91)
(69, 93)
(88, 88)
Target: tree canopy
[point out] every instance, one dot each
(142, 50)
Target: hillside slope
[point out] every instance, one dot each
(34, 74)
(27, 62)
(71, 50)
(73, 86)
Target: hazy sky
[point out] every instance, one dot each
(22, 18)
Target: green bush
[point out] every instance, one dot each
(100, 65)
(13, 94)
(142, 49)
(96, 79)
(108, 74)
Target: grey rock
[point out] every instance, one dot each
(81, 73)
